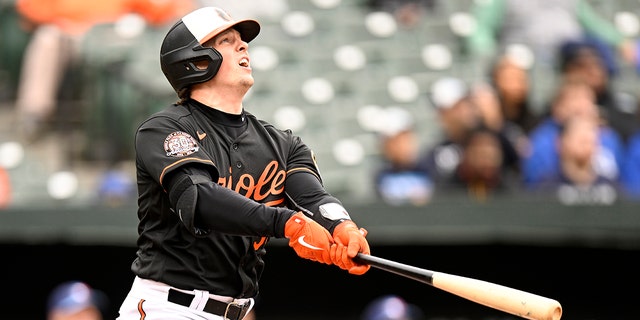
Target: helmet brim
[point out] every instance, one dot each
(249, 30)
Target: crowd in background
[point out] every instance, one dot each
(579, 149)
(578, 146)
(498, 135)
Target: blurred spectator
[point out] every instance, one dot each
(542, 26)
(54, 49)
(587, 60)
(5, 188)
(403, 176)
(572, 99)
(630, 172)
(462, 110)
(408, 13)
(578, 180)
(76, 300)
(457, 117)
(391, 307)
(510, 79)
(481, 171)
(512, 139)
(14, 39)
(117, 187)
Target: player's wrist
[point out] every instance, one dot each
(281, 216)
(309, 239)
(294, 225)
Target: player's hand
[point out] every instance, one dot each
(309, 239)
(349, 240)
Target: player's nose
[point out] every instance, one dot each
(243, 46)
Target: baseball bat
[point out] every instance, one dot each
(513, 301)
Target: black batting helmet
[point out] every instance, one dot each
(182, 46)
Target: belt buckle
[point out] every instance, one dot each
(239, 306)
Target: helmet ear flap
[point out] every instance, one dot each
(179, 60)
(214, 63)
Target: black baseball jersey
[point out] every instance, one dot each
(245, 157)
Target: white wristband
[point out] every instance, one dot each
(334, 211)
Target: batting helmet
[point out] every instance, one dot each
(182, 45)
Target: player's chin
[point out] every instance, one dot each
(247, 82)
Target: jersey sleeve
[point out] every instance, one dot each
(162, 145)
(302, 159)
(305, 190)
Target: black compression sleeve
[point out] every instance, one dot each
(223, 210)
(308, 194)
(226, 211)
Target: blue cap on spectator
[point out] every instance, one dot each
(571, 50)
(73, 296)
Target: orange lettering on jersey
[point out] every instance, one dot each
(272, 177)
(270, 183)
(230, 182)
(274, 203)
(245, 182)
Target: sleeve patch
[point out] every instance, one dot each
(180, 144)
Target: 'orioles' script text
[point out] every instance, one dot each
(270, 182)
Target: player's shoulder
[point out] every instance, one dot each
(171, 113)
(268, 126)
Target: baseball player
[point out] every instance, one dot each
(215, 184)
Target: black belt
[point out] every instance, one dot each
(231, 310)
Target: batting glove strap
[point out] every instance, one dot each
(309, 239)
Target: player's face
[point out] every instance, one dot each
(235, 70)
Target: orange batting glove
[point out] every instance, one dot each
(349, 241)
(309, 239)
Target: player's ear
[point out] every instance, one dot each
(201, 64)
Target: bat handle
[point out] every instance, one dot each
(415, 273)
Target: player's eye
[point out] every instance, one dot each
(224, 39)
